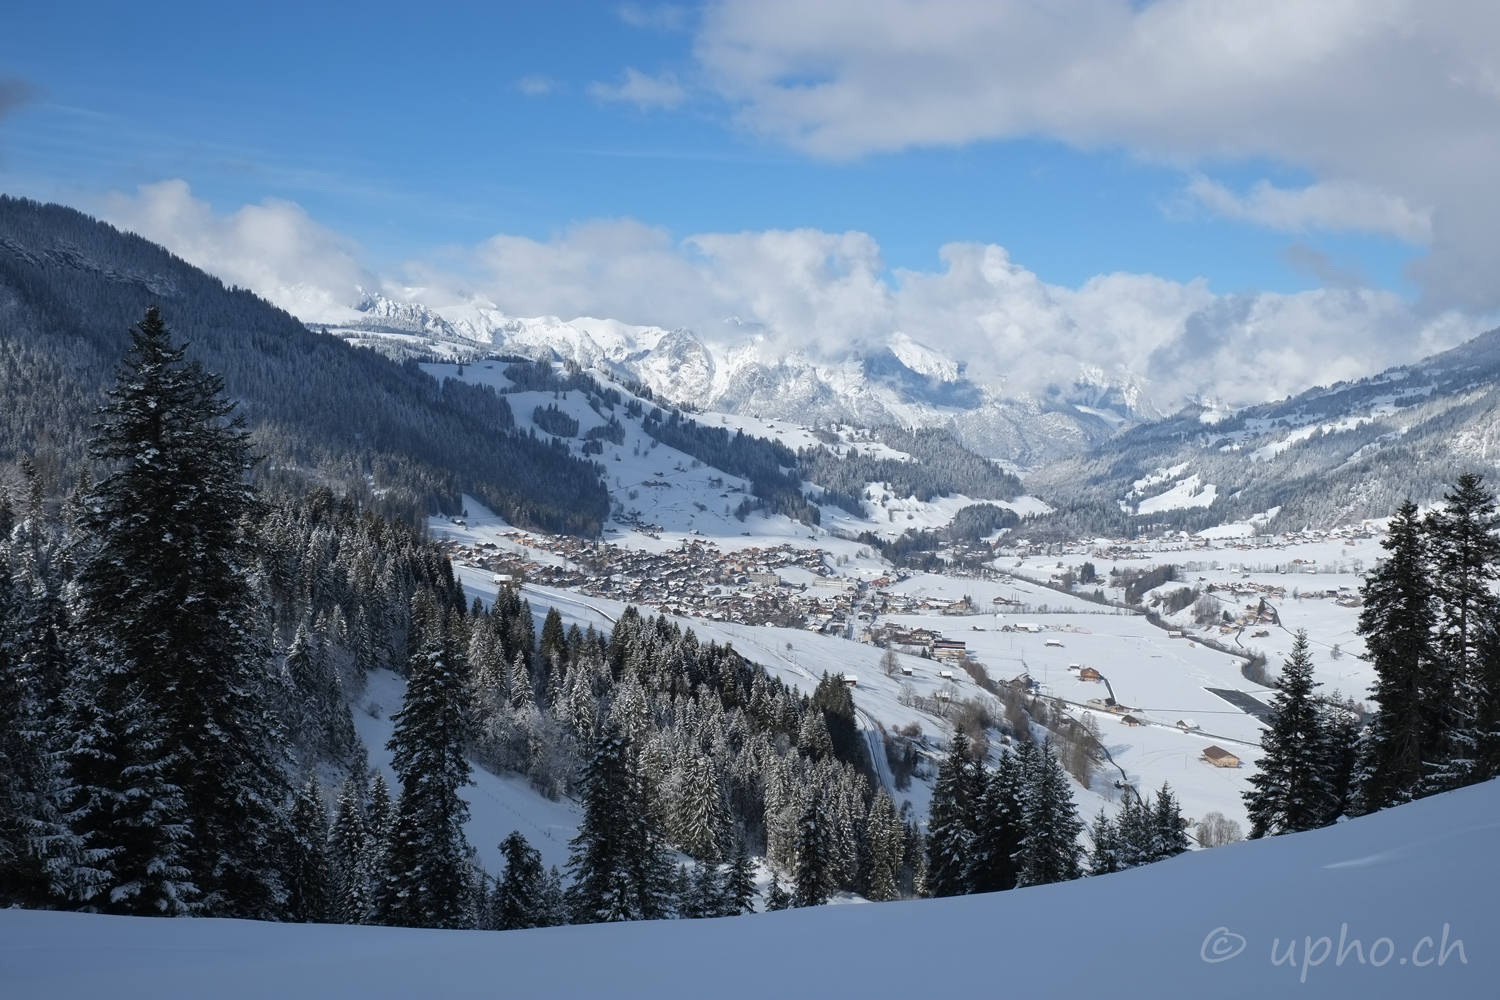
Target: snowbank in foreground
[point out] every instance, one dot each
(1407, 884)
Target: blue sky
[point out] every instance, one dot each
(1264, 151)
(405, 127)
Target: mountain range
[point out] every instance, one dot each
(1097, 450)
(739, 372)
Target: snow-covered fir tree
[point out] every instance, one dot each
(1465, 568)
(1397, 620)
(1292, 789)
(998, 829)
(352, 858)
(619, 864)
(309, 873)
(518, 900)
(814, 877)
(951, 824)
(426, 876)
(176, 757)
(1049, 849)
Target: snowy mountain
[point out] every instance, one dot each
(737, 372)
(1332, 455)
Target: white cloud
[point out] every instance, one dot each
(1336, 205)
(642, 90)
(536, 86)
(273, 248)
(658, 17)
(1392, 105)
(826, 294)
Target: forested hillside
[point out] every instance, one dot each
(70, 287)
(1331, 455)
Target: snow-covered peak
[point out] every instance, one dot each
(924, 360)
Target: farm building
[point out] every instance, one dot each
(949, 649)
(1088, 674)
(1220, 758)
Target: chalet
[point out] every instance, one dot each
(1100, 704)
(905, 670)
(1053, 642)
(949, 649)
(1220, 758)
(1088, 674)
(1129, 720)
(851, 680)
(1174, 634)
(1186, 725)
(946, 675)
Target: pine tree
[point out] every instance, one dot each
(351, 854)
(40, 856)
(1049, 850)
(814, 877)
(554, 911)
(619, 864)
(381, 814)
(1466, 564)
(1170, 834)
(886, 848)
(1104, 856)
(1397, 621)
(777, 898)
(739, 883)
(701, 821)
(426, 877)
(307, 867)
(1290, 787)
(704, 895)
(518, 901)
(951, 823)
(177, 758)
(999, 829)
(1135, 832)
(554, 639)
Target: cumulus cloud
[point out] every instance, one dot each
(273, 248)
(643, 90)
(1392, 105)
(827, 295)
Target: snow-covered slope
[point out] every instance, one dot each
(1414, 886)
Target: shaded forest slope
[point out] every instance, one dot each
(70, 287)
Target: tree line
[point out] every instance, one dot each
(1431, 622)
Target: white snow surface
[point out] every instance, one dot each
(1408, 884)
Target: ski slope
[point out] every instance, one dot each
(1415, 886)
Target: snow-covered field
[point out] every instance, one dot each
(1408, 885)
